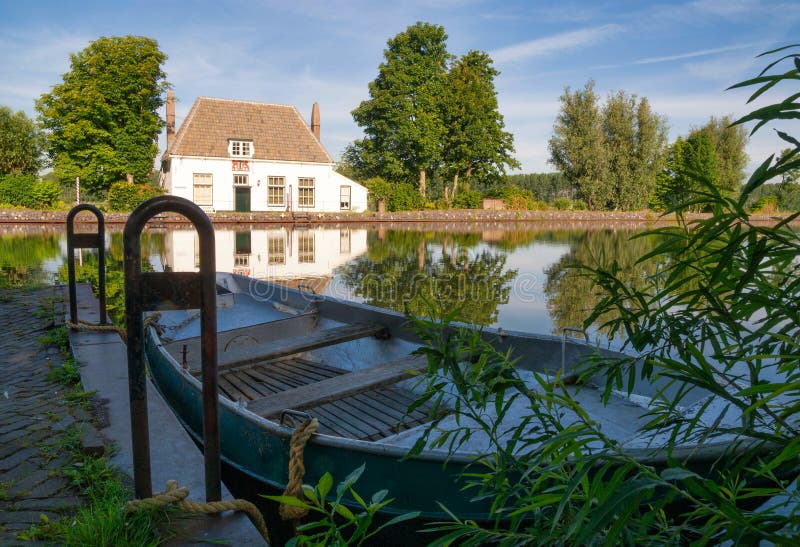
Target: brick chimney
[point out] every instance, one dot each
(315, 120)
(170, 117)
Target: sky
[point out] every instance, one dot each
(681, 56)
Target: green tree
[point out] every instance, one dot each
(728, 142)
(21, 144)
(402, 119)
(476, 144)
(577, 146)
(102, 121)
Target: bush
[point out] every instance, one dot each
(377, 189)
(15, 189)
(579, 205)
(467, 198)
(404, 197)
(562, 204)
(515, 197)
(766, 205)
(44, 194)
(126, 196)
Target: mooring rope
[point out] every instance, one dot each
(297, 468)
(177, 495)
(151, 319)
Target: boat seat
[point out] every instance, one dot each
(298, 344)
(337, 387)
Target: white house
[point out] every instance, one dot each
(231, 155)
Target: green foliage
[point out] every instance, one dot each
(21, 144)
(467, 198)
(26, 191)
(377, 189)
(562, 204)
(102, 119)
(402, 119)
(515, 198)
(728, 142)
(544, 186)
(22, 258)
(337, 524)
(126, 196)
(612, 155)
(766, 204)
(404, 197)
(475, 145)
(430, 116)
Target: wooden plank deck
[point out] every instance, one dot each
(358, 405)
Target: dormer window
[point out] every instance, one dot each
(240, 149)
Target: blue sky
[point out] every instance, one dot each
(680, 55)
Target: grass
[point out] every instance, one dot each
(101, 521)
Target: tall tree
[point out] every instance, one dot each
(688, 161)
(476, 144)
(577, 146)
(103, 121)
(728, 143)
(402, 119)
(21, 144)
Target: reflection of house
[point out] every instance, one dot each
(285, 255)
(245, 156)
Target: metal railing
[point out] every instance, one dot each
(150, 291)
(86, 241)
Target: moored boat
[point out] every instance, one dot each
(285, 353)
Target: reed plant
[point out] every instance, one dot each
(717, 327)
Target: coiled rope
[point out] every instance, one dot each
(175, 494)
(297, 469)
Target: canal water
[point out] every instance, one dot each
(517, 276)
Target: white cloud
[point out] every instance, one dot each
(692, 54)
(551, 44)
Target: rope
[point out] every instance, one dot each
(175, 494)
(151, 319)
(294, 487)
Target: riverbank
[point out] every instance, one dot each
(473, 216)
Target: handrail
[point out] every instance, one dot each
(86, 241)
(150, 291)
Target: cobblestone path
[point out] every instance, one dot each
(34, 418)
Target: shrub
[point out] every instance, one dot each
(404, 197)
(515, 197)
(579, 205)
(377, 189)
(766, 205)
(126, 196)
(562, 204)
(15, 189)
(467, 198)
(44, 194)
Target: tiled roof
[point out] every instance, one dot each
(278, 131)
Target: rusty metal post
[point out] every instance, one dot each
(83, 241)
(151, 291)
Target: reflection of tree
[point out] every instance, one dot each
(403, 268)
(21, 258)
(571, 293)
(152, 244)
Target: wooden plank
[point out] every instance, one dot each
(244, 387)
(337, 387)
(298, 344)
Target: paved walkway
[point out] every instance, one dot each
(32, 413)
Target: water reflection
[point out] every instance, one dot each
(516, 277)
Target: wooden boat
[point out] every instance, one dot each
(283, 351)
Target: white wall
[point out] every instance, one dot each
(331, 248)
(179, 181)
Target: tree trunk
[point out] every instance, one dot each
(422, 183)
(455, 185)
(421, 256)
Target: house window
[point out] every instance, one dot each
(240, 149)
(240, 180)
(203, 189)
(344, 198)
(275, 191)
(276, 250)
(305, 248)
(305, 192)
